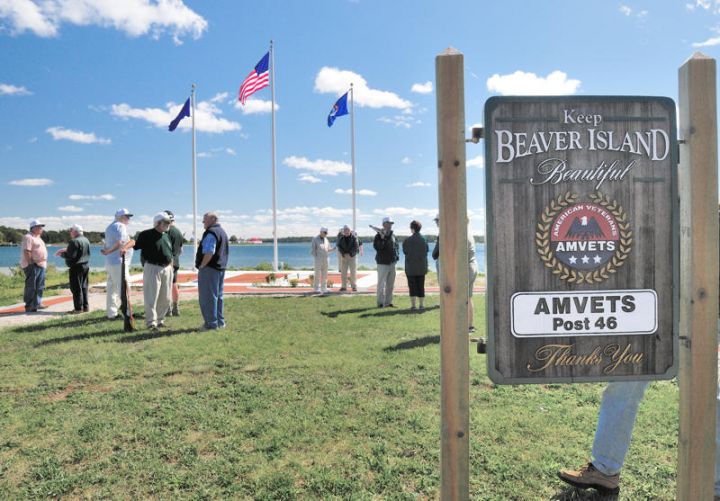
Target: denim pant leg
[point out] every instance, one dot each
(208, 296)
(220, 313)
(39, 285)
(29, 292)
(615, 424)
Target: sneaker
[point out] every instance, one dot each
(41, 307)
(86, 309)
(74, 312)
(354, 289)
(152, 328)
(342, 289)
(589, 476)
(412, 308)
(205, 328)
(161, 325)
(472, 329)
(390, 305)
(175, 312)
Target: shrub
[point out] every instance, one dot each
(294, 282)
(270, 277)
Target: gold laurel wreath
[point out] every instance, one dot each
(542, 239)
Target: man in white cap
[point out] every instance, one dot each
(33, 261)
(157, 258)
(348, 248)
(116, 236)
(320, 250)
(77, 259)
(387, 254)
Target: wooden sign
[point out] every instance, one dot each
(582, 238)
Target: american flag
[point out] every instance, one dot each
(258, 79)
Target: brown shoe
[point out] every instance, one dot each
(589, 476)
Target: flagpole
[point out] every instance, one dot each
(194, 168)
(274, 184)
(352, 153)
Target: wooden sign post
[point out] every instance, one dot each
(454, 363)
(699, 278)
(582, 238)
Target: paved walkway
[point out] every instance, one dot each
(236, 283)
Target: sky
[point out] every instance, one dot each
(88, 88)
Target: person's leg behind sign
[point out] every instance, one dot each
(616, 420)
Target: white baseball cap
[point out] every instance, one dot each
(36, 222)
(161, 216)
(123, 212)
(388, 219)
(77, 227)
(323, 229)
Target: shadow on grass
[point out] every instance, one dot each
(78, 337)
(414, 343)
(154, 335)
(80, 322)
(573, 494)
(336, 313)
(390, 312)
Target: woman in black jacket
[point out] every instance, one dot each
(415, 249)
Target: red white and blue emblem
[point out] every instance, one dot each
(584, 236)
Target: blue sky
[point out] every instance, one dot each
(87, 89)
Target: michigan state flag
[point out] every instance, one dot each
(339, 109)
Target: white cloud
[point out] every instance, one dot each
(13, 90)
(710, 42)
(425, 88)
(625, 10)
(207, 116)
(255, 106)
(32, 182)
(521, 83)
(105, 196)
(70, 208)
(364, 193)
(478, 161)
(134, 17)
(406, 212)
(230, 152)
(405, 121)
(204, 154)
(76, 136)
(307, 178)
(406, 161)
(337, 81)
(418, 184)
(319, 167)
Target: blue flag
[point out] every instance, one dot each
(184, 112)
(339, 109)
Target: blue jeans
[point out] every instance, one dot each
(34, 286)
(615, 425)
(210, 295)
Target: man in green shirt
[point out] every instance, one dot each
(176, 239)
(77, 259)
(157, 257)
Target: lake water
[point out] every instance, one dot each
(296, 255)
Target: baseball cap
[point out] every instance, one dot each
(437, 217)
(170, 215)
(123, 212)
(77, 228)
(388, 219)
(323, 229)
(161, 216)
(345, 227)
(36, 222)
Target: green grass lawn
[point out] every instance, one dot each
(300, 398)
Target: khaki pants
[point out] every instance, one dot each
(157, 288)
(114, 281)
(385, 284)
(320, 274)
(348, 263)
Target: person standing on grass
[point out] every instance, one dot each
(387, 254)
(436, 249)
(77, 259)
(319, 249)
(211, 261)
(116, 236)
(157, 257)
(416, 249)
(176, 240)
(348, 248)
(33, 261)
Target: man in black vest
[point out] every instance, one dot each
(211, 261)
(77, 257)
